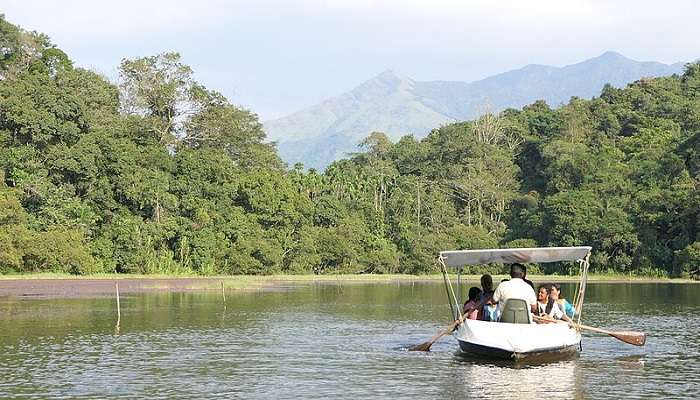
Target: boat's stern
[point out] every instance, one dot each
(517, 341)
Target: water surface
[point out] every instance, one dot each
(330, 341)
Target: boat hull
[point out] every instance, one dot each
(556, 353)
(498, 340)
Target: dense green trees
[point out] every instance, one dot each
(161, 175)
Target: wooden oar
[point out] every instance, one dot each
(630, 337)
(426, 345)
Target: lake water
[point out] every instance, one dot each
(331, 341)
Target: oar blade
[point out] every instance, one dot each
(421, 347)
(631, 337)
(426, 345)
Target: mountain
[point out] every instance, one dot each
(397, 105)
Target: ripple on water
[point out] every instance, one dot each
(325, 341)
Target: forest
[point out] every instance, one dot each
(158, 174)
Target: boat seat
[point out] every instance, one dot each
(515, 311)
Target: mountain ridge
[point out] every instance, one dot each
(399, 105)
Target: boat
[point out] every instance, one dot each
(520, 337)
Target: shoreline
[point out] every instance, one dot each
(61, 285)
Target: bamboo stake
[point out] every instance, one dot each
(223, 293)
(119, 310)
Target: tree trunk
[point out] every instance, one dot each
(418, 185)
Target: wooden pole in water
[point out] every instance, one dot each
(223, 293)
(119, 309)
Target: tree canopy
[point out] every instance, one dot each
(158, 174)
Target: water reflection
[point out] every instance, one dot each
(562, 380)
(631, 362)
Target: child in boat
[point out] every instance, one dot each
(471, 307)
(564, 305)
(489, 309)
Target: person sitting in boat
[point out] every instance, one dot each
(555, 294)
(529, 282)
(515, 288)
(546, 306)
(471, 307)
(486, 284)
(488, 310)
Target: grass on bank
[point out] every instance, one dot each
(252, 279)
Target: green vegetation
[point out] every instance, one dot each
(213, 282)
(160, 175)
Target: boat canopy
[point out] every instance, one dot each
(458, 258)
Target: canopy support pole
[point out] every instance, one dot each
(450, 292)
(578, 302)
(459, 286)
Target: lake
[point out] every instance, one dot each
(331, 340)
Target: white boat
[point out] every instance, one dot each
(521, 338)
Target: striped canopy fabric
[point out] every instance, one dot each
(458, 258)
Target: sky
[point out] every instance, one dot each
(277, 57)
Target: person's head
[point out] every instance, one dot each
(555, 291)
(474, 293)
(517, 270)
(543, 293)
(487, 282)
(524, 270)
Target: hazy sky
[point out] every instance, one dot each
(276, 57)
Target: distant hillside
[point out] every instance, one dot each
(398, 105)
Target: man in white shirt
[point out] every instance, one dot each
(515, 288)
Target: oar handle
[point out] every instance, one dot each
(558, 321)
(570, 323)
(590, 328)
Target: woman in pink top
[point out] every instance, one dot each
(471, 307)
